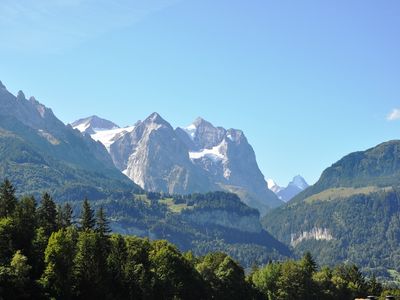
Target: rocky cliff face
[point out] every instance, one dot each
(198, 158)
(156, 159)
(230, 161)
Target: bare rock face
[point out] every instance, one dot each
(156, 159)
(198, 158)
(230, 161)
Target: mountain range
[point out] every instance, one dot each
(297, 185)
(197, 158)
(38, 154)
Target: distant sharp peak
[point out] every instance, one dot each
(156, 119)
(299, 182)
(200, 122)
(2, 86)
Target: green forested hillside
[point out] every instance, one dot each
(215, 221)
(34, 171)
(44, 255)
(376, 167)
(351, 214)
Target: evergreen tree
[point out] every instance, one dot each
(8, 201)
(88, 221)
(116, 262)
(25, 224)
(102, 225)
(309, 267)
(138, 277)
(64, 215)
(47, 214)
(90, 267)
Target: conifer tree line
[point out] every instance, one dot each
(45, 255)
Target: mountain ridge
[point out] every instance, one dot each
(356, 202)
(39, 151)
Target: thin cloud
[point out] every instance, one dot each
(51, 26)
(394, 115)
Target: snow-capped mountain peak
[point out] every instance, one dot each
(93, 124)
(297, 185)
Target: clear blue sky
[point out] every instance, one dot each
(307, 81)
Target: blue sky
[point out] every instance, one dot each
(307, 81)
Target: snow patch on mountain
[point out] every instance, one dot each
(108, 137)
(273, 186)
(216, 153)
(82, 127)
(191, 131)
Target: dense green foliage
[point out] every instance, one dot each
(303, 280)
(50, 259)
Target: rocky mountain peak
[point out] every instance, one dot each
(33, 100)
(2, 86)
(297, 185)
(299, 182)
(21, 96)
(236, 135)
(92, 124)
(155, 118)
(199, 122)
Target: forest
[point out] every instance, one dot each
(48, 253)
